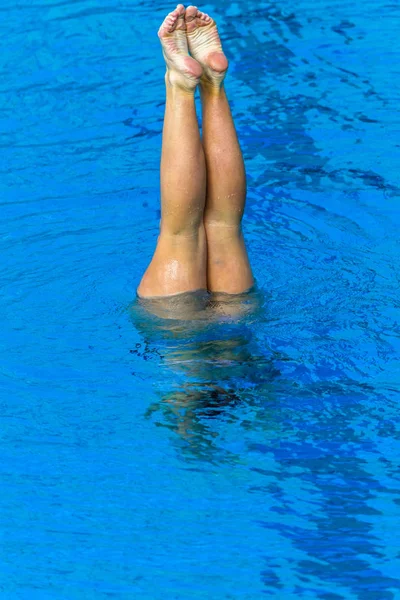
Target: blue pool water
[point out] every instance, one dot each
(240, 458)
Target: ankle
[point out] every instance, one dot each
(211, 89)
(178, 83)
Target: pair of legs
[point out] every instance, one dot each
(203, 182)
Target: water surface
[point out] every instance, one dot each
(245, 457)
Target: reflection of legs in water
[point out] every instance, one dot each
(228, 268)
(190, 224)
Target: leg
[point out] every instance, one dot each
(228, 268)
(228, 264)
(179, 262)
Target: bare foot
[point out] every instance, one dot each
(182, 70)
(205, 46)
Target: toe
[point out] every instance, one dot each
(191, 13)
(205, 17)
(171, 21)
(181, 23)
(180, 10)
(166, 27)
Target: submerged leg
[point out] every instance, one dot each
(228, 268)
(180, 260)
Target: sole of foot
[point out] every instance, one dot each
(183, 71)
(205, 46)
